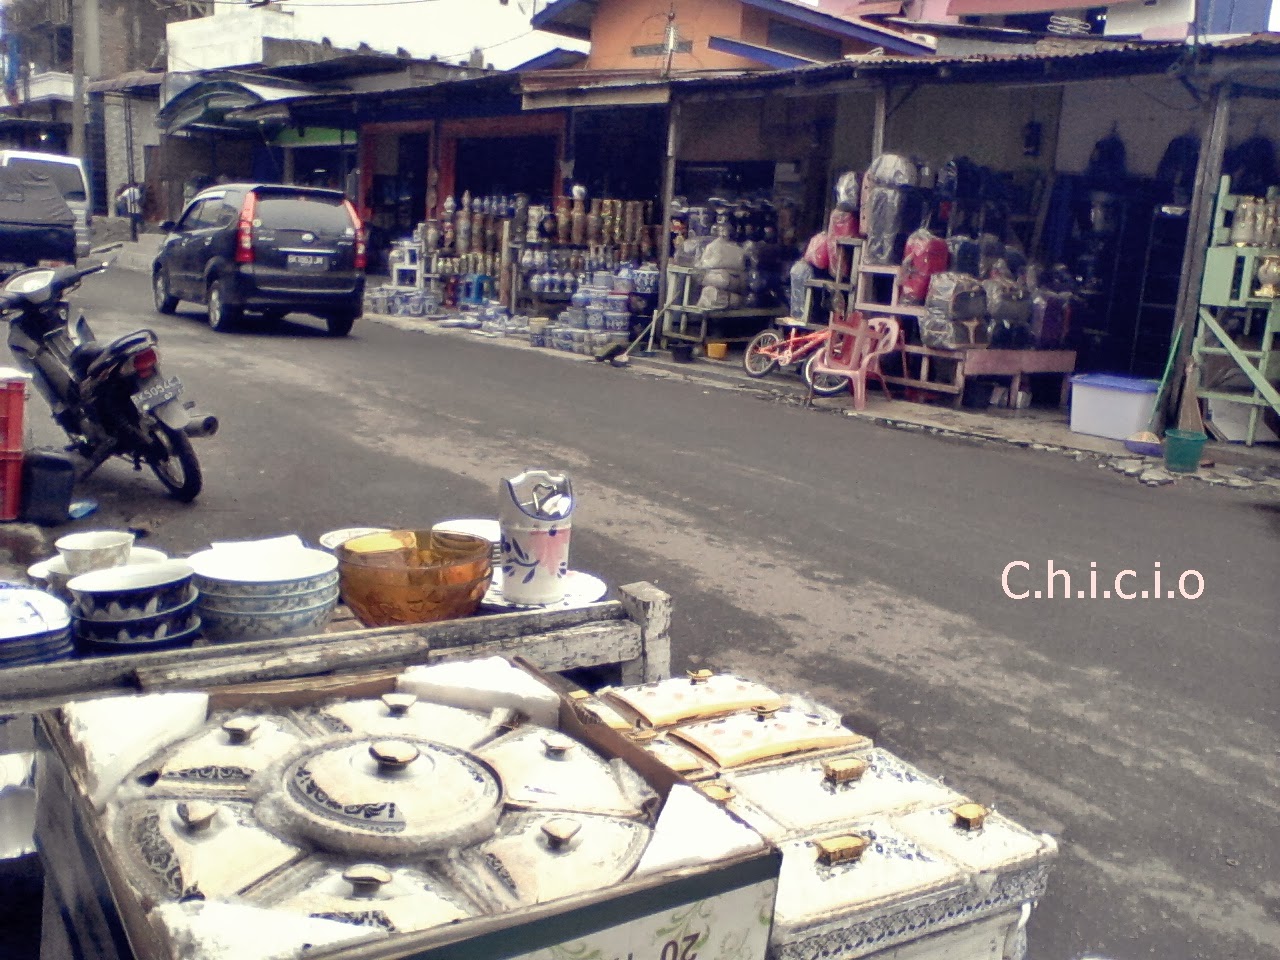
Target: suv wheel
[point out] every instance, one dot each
(340, 324)
(223, 317)
(165, 302)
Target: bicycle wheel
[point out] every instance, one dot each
(755, 361)
(824, 384)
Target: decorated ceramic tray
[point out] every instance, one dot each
(580, 590)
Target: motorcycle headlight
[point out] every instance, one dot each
(29, 282)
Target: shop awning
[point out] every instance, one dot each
(209, 105)
(568, 18)
(997, 8)
(765, 56)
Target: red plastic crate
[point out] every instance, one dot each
(13, 403)
(10, 485)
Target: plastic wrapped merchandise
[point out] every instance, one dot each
(1009, 311)
(801, 273)
(990, 250)
(818, 253)
(722, 254)
(966, 255)
(848, 191)
(733, 281)
(923, 256)
(842, 224)
(885, 219)
(957, 296)
(714, 298)
(689, 251)
(940, 332)
(1050, 319)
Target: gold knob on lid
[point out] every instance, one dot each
(718, 791)
(393, 754)
(970, 816)
(557, 746)
(842, 849)
(197, 814)
(843, 770)
(398, 704)
(560, 831)
(642, 736)
(240, 729)
(366, 879)
(699, 676)
(765, 711)
(579, 695)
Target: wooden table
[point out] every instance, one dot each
(981, 362)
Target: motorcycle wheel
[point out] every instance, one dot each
(173, 460)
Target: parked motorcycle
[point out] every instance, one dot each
(110, 398)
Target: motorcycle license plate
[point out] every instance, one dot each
(314, 262)
(158, 393)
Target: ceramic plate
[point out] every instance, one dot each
(580, 590)
(25, 612)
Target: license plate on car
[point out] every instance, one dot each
(308, 261)
(158, 393)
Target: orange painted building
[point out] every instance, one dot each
(715, 34)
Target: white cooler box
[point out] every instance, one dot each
(1109, 405)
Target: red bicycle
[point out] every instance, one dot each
(773, 349)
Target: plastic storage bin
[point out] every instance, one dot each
(1109, 405)
(10, 485)
(13, 401)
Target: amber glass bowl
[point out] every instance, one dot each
(414, 576)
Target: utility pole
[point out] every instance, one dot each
(78, 41)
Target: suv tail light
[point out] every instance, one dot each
(144, 363)
(244, 231)
(362, 255)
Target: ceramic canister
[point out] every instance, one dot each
(535, 509)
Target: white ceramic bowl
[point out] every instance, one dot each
(94, 550)
(490, 530)
(236, 627)
(52, 574)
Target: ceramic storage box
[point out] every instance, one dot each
(371, 823)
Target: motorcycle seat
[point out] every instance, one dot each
(84, 355)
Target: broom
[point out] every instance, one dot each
(1146, 442)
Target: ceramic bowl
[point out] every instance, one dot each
(171, 642)
(125, 593)
(95, 550)
(276, 575)
(235, 627)
(154, 628)
(230, 605)
(53, 575)
(414, 576)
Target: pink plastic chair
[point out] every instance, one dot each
(854, 351)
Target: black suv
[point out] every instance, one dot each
(265, 249)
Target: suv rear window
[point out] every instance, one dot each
(65, 176)
(296, 212)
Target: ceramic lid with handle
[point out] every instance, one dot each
(227, 755)
(172, 848)
(700, 694)
(978, 839)
(766, 733)
(540, 856)
(397, 715)
(816, 794)
(861, 871)
(397, 899)
(542, 768)
(373, 796)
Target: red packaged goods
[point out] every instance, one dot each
(923, 256)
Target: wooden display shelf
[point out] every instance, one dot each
(896, 309)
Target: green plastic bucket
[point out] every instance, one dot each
(1182, 449)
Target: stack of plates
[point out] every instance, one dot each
(34, 628)
(265, 589)
(136, 608)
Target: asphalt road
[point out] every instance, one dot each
(821, 554)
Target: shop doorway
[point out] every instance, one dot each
(488, 166)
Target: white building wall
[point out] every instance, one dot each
(145, 134)
(446, 29)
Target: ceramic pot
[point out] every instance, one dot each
(1269, 277)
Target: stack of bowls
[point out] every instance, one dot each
(414, 576)
(94, 550)
(490, 530)
(53, 574)
(278, 594)
(34, 628)
(136, 608)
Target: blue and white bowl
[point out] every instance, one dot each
(171, 642)
(236, 627)
(230, 605)
(276, 575)
(149, 629)
(132, 591)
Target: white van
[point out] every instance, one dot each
(67, 173)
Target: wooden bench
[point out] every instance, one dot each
(627, 637)
(958, 365)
